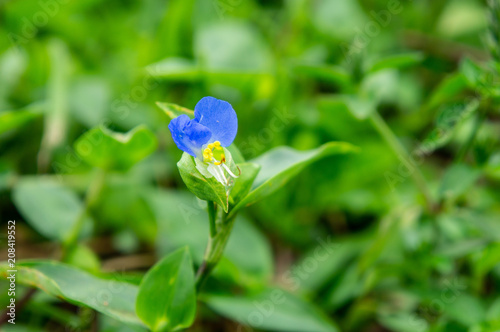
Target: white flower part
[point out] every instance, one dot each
(202, 167)
(210, 170)
(218, 172)
(221, 172)
(229, 171)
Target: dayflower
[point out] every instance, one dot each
(214, 127)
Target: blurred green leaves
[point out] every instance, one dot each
(229, 53)
(399, 61)
(232, 47)
(449, 118)
(56, 118)
(109, 296)
(111, 151)
(278, 166)
(175, 69)
(447, 89)
(457, 179)
(360, 107)
(272, 309)
(11, 120)
(50, 208)
(89, 100)
(13, 63)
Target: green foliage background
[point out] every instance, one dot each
(403, 235)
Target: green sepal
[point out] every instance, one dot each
(203, 184)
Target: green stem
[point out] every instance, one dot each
(387, 134)
(214, 251)
(212, 214)
(91, 196)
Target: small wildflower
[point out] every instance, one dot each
(213, 128)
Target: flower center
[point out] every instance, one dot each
(214, 152)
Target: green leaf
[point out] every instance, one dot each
(181, 221)
(205, 187)
(332, 74)
(12, 120)
(167, 296)
(486, 260)
(108, 296)
(281, 164)
(273, 309)
(339, 19)
(232, 47)
(176, 69)
(449, 118)
(243, 184)
(18, 327)
(349, 285)
(397, 61)
(457, 179)
(338, 254)
(482, 79)
(471, 71)
(449, 88)
(387, 232)
(84, 258)
(108, 324)
(360, 107)
(236, 154)
(463, 248)
(122, 205)
(403, 322)
(254, 271)
(13, 64)
(494, 311)
(103, 148)
(459, 19)
(48, 207)
(173, 110)
(89, 99)
(465, 303)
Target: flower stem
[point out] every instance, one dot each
(212, 214)
(388, 135)
(91, 196)
(215, 249)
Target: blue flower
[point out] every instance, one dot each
(214, 125)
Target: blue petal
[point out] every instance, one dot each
(189, 135)
(218, 116)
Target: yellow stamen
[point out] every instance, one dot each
(223, 160)
(208, 153)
